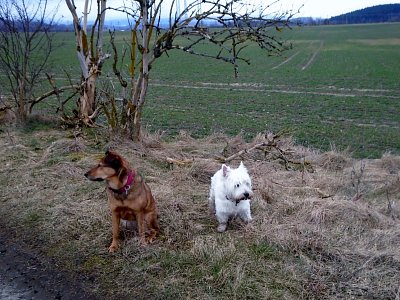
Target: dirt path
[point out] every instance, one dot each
(26, 274)
(321, 45)
(286, 61)
(266, 88)
(258, 87)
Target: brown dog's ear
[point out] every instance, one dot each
(113, 160)
(116, 162)
(122, 173)
(110, 151)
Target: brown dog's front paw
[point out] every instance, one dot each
(143, 241)
(150, 240)
(152, 236)
(113, 247)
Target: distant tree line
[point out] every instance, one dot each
(374, 14)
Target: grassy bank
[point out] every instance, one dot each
(324, 229)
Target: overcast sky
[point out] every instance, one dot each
(311, 8)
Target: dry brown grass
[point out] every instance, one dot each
(327, 232)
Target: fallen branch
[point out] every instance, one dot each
(244, 151)
(86, 120)
(296, 164)
(179, 162)
(270, 144)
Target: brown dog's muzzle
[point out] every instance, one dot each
(87, 175)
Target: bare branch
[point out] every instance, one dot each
(117, 73)
(55, 91)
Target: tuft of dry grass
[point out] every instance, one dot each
(333, 161)
(311, 238)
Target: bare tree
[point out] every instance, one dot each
(25, 46)
(89, 49)
(236, 25)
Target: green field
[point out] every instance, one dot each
(338, 87)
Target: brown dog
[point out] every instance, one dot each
(129, 197)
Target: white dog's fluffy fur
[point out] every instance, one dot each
(230, 195)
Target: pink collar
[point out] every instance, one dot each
(127, 186)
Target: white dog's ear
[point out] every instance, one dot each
(225, 170)
(242, 166)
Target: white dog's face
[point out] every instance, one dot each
(237, 183)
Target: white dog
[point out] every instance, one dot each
(230, 195)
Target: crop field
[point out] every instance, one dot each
(337, 87)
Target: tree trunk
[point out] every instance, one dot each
(136, 106)
(139, 95)
(90, 57)
(137, 125)
(22, 113)
(87, 100)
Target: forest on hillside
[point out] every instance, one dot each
(373, 14)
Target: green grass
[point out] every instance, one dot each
(347, 96)
(365, 125)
